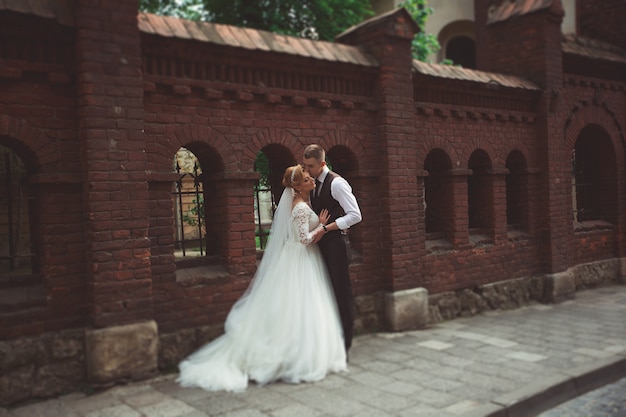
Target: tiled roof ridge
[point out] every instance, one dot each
(216, 33)
(59, 9)
(252, 39)
(592, 48)
(466, 74)
(593, 42)
(511, 8)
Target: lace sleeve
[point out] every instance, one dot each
(301, 219)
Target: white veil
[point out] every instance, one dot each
(280, 232)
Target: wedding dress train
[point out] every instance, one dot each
(285, 326)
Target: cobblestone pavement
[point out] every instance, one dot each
(515, 363)
(608, 401)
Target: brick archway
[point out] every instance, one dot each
(265, 137)
(432, 144)
(181, 136)
(482, 145)
(36, 147)
(580, 117)
(340, 137)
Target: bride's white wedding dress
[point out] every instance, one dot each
(285, 326)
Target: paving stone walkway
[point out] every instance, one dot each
(501, 364)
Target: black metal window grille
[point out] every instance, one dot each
(264, 207)
(190, 222)
(584, 188)
(433, 199)
(15, 244)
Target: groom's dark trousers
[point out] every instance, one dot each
(334, 252)
(335, 255)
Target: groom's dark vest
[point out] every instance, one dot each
(326, 201)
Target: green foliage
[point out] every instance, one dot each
(184, 9)
(315, 19)
(424, 44)
(195, 214)
(262, 166)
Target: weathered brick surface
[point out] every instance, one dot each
(98, 121)
(602, 20)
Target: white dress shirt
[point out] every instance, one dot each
(341, 191)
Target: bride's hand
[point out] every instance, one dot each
(324, 216)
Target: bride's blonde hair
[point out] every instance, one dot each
(293, 176)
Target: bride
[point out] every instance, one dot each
(285, 326)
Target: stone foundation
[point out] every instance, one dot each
(559, 287)
(407, 309)
(119, 353)
(515, 293)
(370, 313)
(43, 366)
(176, 346)
(57, 363)
(503, 295)
(594, 274)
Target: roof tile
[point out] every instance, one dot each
(457, 73)
(210, 33)
(177, 27)
(592, 48)
(41, 8)
(143, 21)
(196, 31)
(256, 39)
(242, 38)
(321, 50)
(297, 45)
(225, 33)
(511, 8)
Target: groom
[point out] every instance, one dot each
(332, 192)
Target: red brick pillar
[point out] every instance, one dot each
(499, 230)
(115, 190)
(460, 215)
(388, 38)
(536, 38)
(232, 227)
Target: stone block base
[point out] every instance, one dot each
(122, 353)
(407, 309)
(560, 287)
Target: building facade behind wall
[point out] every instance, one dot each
(130, 150)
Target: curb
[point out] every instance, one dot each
(549, 393)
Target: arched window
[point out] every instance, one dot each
(438, 195)
(480, 195)
(457, 43)
(190, 230)
(271, 163)
(198, 195)
(16, 257)
(264, 203)
(594, 176)
(517, 207)
(461, 50)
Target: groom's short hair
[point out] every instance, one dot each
(315, 151)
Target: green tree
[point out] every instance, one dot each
(424, 44)
(316, 19)
(184, 9)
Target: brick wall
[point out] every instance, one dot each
(97, 113)
(603, 20)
